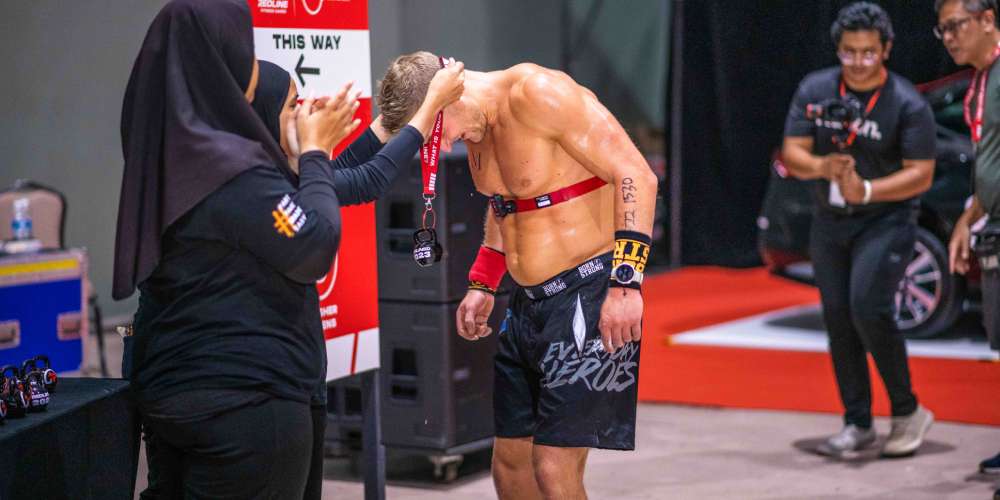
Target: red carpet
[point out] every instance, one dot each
(956, 390)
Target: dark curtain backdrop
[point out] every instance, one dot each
(742, 63)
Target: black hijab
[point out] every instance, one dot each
(272, 90)
(186, 126)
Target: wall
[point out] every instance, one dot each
(66, 65)
(485, 34)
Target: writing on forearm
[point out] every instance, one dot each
(628, 190)
(476, 161)
(630, 219)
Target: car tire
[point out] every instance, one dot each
(930, 298)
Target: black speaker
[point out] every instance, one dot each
(460, 211)
(437, 388)
(343, 424)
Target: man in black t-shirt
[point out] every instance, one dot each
(869, 175)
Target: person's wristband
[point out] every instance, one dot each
(628, 262)
(868, 192)
(487, 270)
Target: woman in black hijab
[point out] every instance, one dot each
(360, 174)
(224, 243)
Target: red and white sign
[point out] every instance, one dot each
(324, 44)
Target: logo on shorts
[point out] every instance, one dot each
(590, 268)
(579, 325)
(553, 287)
(505, 324)
(593, 368)
(288, 217)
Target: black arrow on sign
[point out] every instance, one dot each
(303, 70)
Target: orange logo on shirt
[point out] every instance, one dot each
(281, 224)
(288, 218)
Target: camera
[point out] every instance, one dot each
(843, 110)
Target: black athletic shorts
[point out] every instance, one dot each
(553, 379)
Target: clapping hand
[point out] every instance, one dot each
(322, 123)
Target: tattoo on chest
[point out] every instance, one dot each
(628, 190)
(476, 160)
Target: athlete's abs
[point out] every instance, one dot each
(541, 243)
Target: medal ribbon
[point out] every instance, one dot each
(430, 156)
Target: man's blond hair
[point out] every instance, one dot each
(402, 90)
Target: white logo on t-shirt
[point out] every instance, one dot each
(868, 128)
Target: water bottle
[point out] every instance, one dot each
(21, 225)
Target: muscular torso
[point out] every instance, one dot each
(517, 161)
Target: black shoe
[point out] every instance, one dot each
(996, 495)
(990, 465)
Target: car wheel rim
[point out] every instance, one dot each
(919, 291)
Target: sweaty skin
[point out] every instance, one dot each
(531, 131)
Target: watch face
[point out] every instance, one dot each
(624, 273)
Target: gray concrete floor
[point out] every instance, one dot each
(688, 452)
(707, 453)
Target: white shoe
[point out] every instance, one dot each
(907, 433)
(850, 438)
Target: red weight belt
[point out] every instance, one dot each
(502, 207)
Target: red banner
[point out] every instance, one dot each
(324, 44)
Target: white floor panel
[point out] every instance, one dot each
(801, 329)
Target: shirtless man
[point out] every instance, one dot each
(567, 364)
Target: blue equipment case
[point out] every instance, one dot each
(43, 307)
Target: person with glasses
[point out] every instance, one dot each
(868, 177)
(970, 32)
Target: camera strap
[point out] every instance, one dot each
(979, 80)
(872, 101)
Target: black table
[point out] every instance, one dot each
(84, 446)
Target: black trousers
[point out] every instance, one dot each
(991, 306)
(314, 484)
(986, 246)
(261, 451)
(859, 261)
